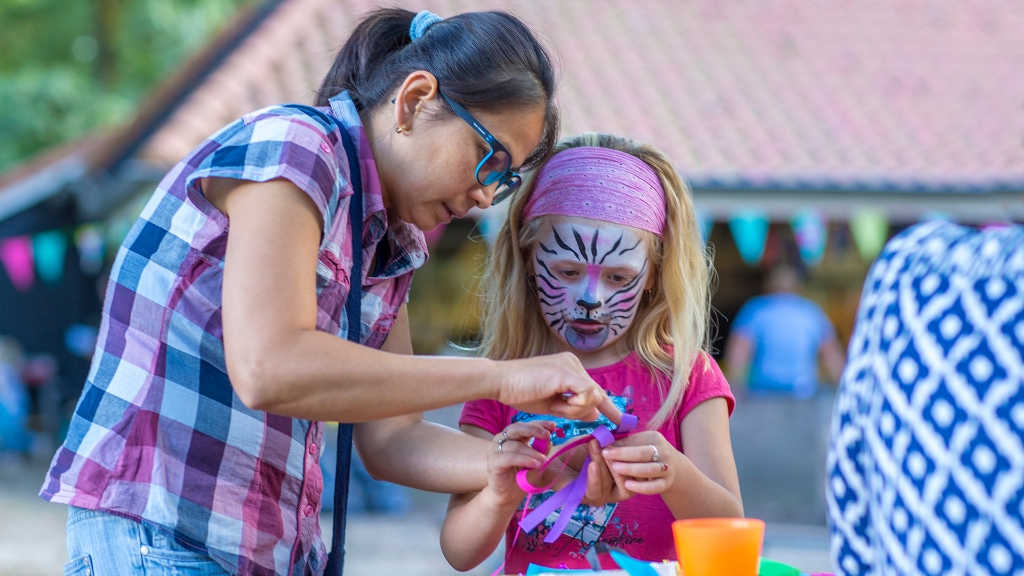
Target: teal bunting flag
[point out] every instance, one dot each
(749, 230)
(48, 250)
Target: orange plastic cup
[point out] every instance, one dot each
(718, 546)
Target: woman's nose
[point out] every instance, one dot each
(483, 196)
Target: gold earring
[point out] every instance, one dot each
(400, 129)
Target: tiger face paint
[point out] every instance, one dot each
(590, 277)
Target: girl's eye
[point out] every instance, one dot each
(617, 278)
(568, 273)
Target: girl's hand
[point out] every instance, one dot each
(603, 485)
(646, 460)
(510, 453)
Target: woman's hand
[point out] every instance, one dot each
(510, 453)
(556, 384)
(646, 461)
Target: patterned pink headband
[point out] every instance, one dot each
(601, 184)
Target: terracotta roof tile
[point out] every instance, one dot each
(900, 94)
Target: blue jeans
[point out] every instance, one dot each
(101, 544)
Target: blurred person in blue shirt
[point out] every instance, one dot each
(777, 339)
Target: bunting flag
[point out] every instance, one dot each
(749, 229)
(870, 230)
(48, 250)
(89, 241)
(811, 232)
(705, 221)
(16, 255)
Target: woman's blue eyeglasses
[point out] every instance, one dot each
(497, 164)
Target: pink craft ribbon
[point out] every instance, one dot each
(601, 184)
(569, 497)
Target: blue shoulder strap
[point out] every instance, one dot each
(353, 308)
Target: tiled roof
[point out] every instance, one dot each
(747, 94)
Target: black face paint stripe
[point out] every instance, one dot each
(562, 243)
(593, 243)
(550, 285)
(614, 247)
(623, 301)
(633, 248)
(579, 243)
(552, 296)
(629, 286)
(543, 301)
(546, 249)
(554, 323)
(541, 262)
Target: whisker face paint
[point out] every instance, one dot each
(589, 287)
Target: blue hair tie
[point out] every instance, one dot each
(421, 22)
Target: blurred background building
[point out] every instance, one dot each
(809, 132)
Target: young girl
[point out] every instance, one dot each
(603, 259)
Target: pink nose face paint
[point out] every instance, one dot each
(590, 276)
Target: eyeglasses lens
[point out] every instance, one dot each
(493, 167)
(507, 188)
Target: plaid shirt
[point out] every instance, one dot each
(159, 435)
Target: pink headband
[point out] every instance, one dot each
(602, 184)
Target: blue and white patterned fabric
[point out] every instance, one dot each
(926, 466)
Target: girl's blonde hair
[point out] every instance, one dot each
(672, 317)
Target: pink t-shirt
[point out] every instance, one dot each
(641, 525)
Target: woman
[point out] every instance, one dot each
(195, 444)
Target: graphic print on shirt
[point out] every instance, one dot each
(589, 280)
(588, 522)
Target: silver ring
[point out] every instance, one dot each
(500, 451)
(655, 457)
(504, 435)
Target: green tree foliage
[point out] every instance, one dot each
(68, 67)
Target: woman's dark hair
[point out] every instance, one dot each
(482, 60)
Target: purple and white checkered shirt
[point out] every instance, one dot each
(159, 435)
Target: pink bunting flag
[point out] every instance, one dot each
(16, 255)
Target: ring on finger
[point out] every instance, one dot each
(664, 467)
(655, 457)
(501, 449)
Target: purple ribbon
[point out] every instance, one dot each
(570, 496)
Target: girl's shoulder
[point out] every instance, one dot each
(706, 382)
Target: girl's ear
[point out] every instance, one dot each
(652, 280)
